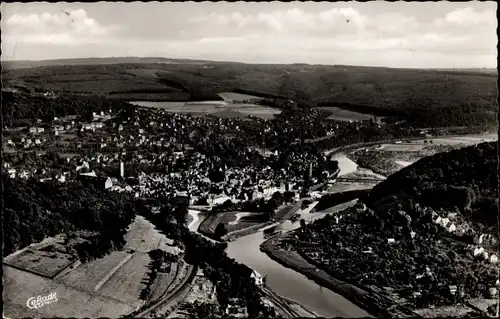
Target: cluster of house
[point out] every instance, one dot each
(140, 129)
(199, 186)
(477, 250)
(235, 307)
(447, 224)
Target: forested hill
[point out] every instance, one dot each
(34, 210)
(22, 109)
(465, 178)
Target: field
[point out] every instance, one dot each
(88, 276)
(382, 88)
(232, 221)
(233, 97)
(106, 287)
(406, 147)
(215, 108)
(47, 264)
(364, 173)
(142, 236)
(345, 115)
(452, 311)
(387, 159)
(125, 284)
(337, 208)
(20, 285)
(42, 261)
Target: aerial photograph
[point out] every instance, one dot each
(204, 160)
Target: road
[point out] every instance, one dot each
(279, 304)
(175, 297)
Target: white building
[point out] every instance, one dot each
(451, 228)
(259, 280)
(444, 222)
(493, 292)
(12, 172)
(122, 170)
(84, 165)
(108, 183)
(93, 174)
(478, 251)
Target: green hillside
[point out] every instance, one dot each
(465, 179)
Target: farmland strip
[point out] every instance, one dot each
(111, 273)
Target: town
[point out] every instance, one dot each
(344, 164)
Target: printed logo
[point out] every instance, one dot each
(40, 301)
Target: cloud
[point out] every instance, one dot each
(301, 33)
(288, 21)
(347, 30)
(468, 17)
(69, 27)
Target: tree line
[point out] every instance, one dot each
(465, 179)
(35, 210)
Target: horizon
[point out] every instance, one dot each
(434, 35)
(223, 61)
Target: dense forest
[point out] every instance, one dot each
(466, 179)
(35, 210)
(21, 109)
(382, 88)
(330, 200)
(392, 241)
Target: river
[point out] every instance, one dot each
(287, 282)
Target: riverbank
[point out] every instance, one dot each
(373, 304)
(245, 231)
(238, 225)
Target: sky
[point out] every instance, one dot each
(378, 33)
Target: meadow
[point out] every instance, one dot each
(387, 159)
(47, 264)
(88, 276)
(72, 302)
(346, 115)
(213, 108)
(142, 236)
(381, 88)
(105, 287)
(126, 283)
